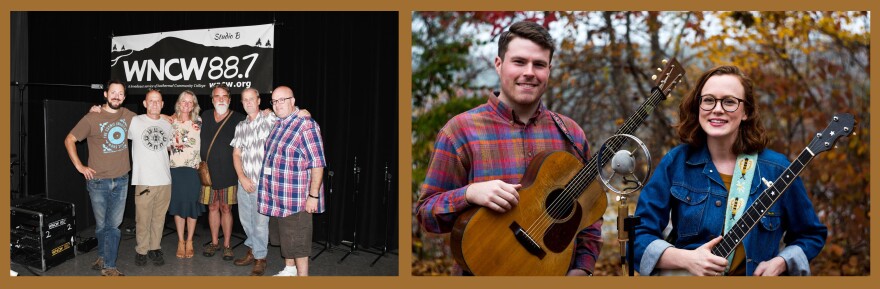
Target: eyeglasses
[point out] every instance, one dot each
(280, 101)
(728, 104)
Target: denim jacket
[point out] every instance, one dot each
(687, 188)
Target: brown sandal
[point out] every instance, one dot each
(181, 252)
(189, 249)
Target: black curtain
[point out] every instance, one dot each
(342, 67)
(18, 103)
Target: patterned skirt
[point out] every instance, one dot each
(224, 195)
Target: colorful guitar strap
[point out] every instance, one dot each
(738, 194)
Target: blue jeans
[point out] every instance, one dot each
(108, 203)
(255, 225)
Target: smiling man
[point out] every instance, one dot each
(151, 175)
(480, 156)
(107, 170)
(218, 130)
(290, 188)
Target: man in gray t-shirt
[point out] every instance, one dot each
(151, 174)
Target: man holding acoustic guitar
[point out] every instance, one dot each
(480, 159)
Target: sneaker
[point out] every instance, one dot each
(227, 254)
(99, 264)
(287, 272)
(140, 260)
(156, 256)
(210, 250)
(111, 272)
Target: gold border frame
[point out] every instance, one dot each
(405, 280)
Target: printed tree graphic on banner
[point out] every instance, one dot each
(268, 43)
(258, 42)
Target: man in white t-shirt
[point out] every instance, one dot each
(150, 137)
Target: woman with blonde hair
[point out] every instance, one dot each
(185, 189)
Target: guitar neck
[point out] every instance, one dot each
(759, 207)
(589, 172)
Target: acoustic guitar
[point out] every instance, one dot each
(558, 199)
(841, 125)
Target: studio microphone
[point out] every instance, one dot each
(623, 162)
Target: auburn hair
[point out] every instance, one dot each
(749, 139)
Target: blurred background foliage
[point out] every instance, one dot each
(807, 66)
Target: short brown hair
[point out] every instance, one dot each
(526, 30)
(750, 139)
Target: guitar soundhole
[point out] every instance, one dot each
(558, 206)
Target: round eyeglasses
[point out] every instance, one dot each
(728, 104)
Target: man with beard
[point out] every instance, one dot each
(218, 130)
(151, 175)
(107, 171)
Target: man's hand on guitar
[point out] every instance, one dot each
(495, 195)
(772, 267)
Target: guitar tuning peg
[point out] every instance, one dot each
(654, 77)
(659, 69)
(664, 61)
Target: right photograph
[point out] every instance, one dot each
(640, 143)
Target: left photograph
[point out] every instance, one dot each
(204, 144)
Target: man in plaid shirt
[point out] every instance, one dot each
(481, 155)
(290, 188)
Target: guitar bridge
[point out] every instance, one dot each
(526, 241)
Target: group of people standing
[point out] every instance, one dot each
(269, 162)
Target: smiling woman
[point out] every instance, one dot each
(722, 161)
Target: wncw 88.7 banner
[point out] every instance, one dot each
(196, 60)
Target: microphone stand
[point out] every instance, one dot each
(327, 244)
(625, 225)
(354, 244)
(622, 162)
(387, 212)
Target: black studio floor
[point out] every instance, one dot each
(356, 264)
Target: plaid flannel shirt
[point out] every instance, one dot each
(488, 143)
(293, 148)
